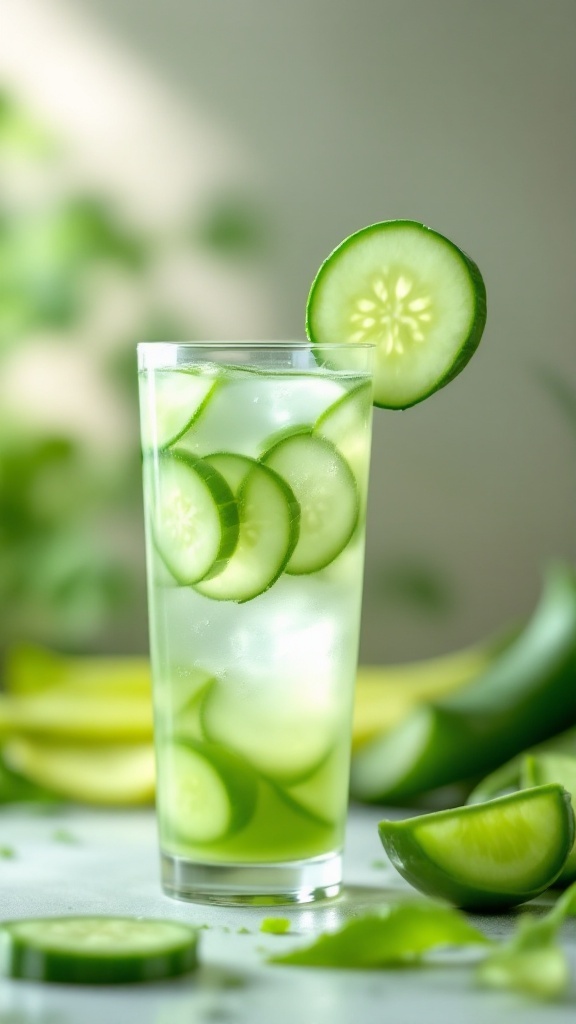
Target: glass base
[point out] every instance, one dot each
(300, 881)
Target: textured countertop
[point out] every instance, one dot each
(101, 862)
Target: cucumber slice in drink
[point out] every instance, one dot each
(268, 530)
(178, 699)
(195, 517)
(323, 795)
(326, 491)
(490, 855)
(410, 291)
(170, 401)
(207, 792)
(97, 950)
(346, 424)
(283, 743)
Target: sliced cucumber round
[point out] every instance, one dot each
(410, 291)
(170, 401)
(326, 491)
(195, 517)
(283, 743)
(177, 701)
(346, 424)
(322, 795)
(205, 792)
(269, 522)
(97, 950)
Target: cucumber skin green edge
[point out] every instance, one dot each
(294, 524)
(478, 319)
(238, 777)
(297, 432)
(526, 696)
(222, 496)
(29, 963)
(166, 445)
(429, 877)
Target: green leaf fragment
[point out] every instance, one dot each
(7, 852)
(275, 925)
(532, 961)
(63, 835)
(395, 935)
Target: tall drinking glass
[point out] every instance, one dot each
(255, 460)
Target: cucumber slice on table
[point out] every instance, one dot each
(195, 517)
(268, 529)
(97, 950)
(410, 291)
(491, 855)
(170, 401)
(207, 792)
(326, 491)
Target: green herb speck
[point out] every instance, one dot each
(63, 835)
(275, 925)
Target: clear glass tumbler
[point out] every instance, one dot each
(255, 464)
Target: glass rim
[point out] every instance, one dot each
(276, 345)
(154, 355)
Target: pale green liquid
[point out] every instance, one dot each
(284, 663)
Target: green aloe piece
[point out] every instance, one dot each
(393, 935)
(524, 697)
(532, 961)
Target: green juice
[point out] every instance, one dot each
(255, 485)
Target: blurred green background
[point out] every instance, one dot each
(180, 171)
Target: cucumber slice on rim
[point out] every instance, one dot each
(195, 517)
(413, 293)
(269, 522)
(206, 792)
(490, 855)
(326, 491)
(170, 401)
(97, 950)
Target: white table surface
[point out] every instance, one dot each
(101, 862)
